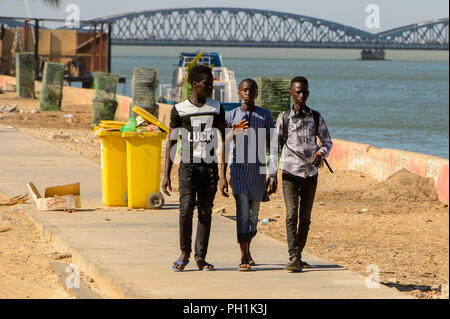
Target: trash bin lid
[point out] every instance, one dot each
(112, 124)
(150, 118)
(102, 132)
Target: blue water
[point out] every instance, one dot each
(389, 104)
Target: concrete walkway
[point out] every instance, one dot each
(129, 252)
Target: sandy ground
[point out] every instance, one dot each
(397, 225)
(24, 258)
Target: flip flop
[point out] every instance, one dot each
(244, 267)
(305, 264)
(251, 262)
(179, 263)
(203, 265)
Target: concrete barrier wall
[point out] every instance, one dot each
(380, 163)
(376, 162)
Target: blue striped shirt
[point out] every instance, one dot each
(247, 166)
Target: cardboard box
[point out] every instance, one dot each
(57, 197)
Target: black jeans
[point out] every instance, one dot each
(198, 187)
(298, 221)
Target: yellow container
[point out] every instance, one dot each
(144, 169)
(114, 167)
(112, 124)
(149, 117)
(144, 164)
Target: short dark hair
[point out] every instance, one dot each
(300, 79)
(253, 82)
(198, 72)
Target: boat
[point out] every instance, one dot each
(225, 87)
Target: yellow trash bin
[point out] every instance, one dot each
(144, 164)
(113, 165)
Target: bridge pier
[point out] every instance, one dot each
(372, 54)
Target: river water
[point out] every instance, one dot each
(402, 103)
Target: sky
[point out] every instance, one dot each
(392, 13)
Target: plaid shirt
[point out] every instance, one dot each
(301, 138)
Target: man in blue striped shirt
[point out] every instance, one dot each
(252, 129)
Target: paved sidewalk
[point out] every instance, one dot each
(129, 253)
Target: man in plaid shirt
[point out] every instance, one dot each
(300, 158)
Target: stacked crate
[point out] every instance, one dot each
(52, 87)
(104, 102)
(144, 84)
(25, 74)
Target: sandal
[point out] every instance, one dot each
(181, 264)
(244, 267)
(251, 262)
(203, 265)
(305, 264)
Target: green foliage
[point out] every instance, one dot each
(274, 94)
(186, 91)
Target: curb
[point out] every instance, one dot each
(81, 292)
(109, 281)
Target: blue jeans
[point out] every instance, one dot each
(246, 217)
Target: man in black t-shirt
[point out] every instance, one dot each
(200, 122)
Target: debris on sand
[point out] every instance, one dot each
(61, 136)
(5, 229)
(61, 256)
(10, 109)
(19, 199)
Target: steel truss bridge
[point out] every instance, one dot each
(259, 28)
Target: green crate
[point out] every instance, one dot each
(25, 74)
(105, 85)
(144, 84)
(103, 109)
(52, 87)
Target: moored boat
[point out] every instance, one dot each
(225, 87)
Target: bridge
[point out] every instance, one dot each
(260, 28)
(238, 27)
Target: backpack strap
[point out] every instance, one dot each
(285, 127)
(316, 117)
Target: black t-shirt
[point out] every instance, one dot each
(198, 129)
